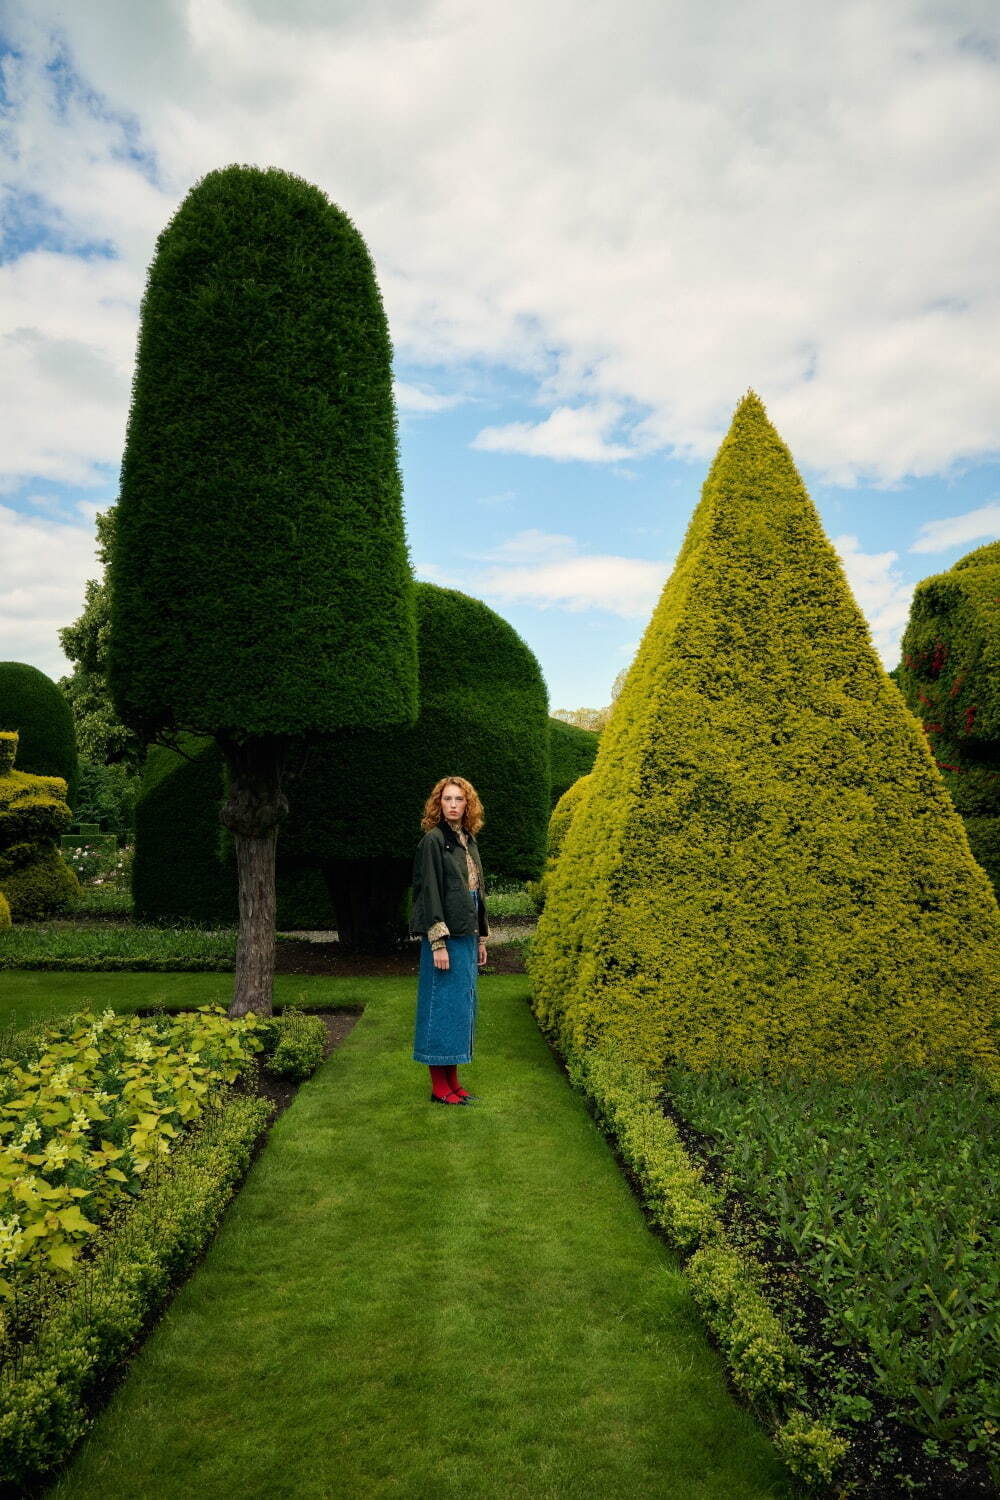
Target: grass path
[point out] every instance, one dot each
(416, 1301)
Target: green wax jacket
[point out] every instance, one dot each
(442, 903)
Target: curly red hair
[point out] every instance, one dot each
(472, 818)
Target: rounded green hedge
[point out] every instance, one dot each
(32, 704)
(260, 583)
(483, 715)
(572, 753)
(766, 871)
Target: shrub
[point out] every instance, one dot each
(32, 704)
(765, 869)
(562, 816)
(34, 877)
(84, 1119)
(765, 1363)
(45, 1393)
(298, 1044)
(5, 919)
(571, 755)
(483, 715)
(949, 675)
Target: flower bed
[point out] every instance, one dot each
(840, 1243)
(875, 1207)
(123, 1139)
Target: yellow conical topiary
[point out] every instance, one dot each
(765, 869)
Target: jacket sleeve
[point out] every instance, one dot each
(428, 890)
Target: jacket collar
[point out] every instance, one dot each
(450, 839)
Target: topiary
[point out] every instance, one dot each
(765, 871)
(571, 755)
(32, 704)
(34, 878)
(260, 586)
(484, 716)
(562, 817)
(949, 676)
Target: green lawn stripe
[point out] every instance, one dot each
(408, 1300)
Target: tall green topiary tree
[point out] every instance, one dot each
(950, 676)
(572, 752)
(766, 870)
(32, 704)
(260, 586)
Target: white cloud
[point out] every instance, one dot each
(417, 398)
(44, 566)
(981, 524)
(651, 208)
(881, 591)
(548, 572)
(567, 433)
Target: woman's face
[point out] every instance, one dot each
(452, 802)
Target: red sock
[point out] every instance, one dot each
(440, 1082)
(453, 1082)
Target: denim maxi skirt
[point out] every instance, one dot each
(446, 1004)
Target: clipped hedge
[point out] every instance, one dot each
(34, 878)
(46, 1393)
(260, 583)
(763, 1360)
(766, 869)
(483, 715)
(33, 705)
(950, 676)
(572, 752)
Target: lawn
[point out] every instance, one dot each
(411, 1300)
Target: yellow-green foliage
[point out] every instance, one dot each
(950, 676)
(765, 870)
(82, 1121)
(5, 919)
(34, 878)
(562, 816)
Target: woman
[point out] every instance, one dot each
(449, 911)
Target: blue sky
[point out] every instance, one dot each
(593, 233)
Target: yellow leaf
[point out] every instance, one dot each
(62, 1256)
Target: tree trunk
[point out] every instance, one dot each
(252, 813)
